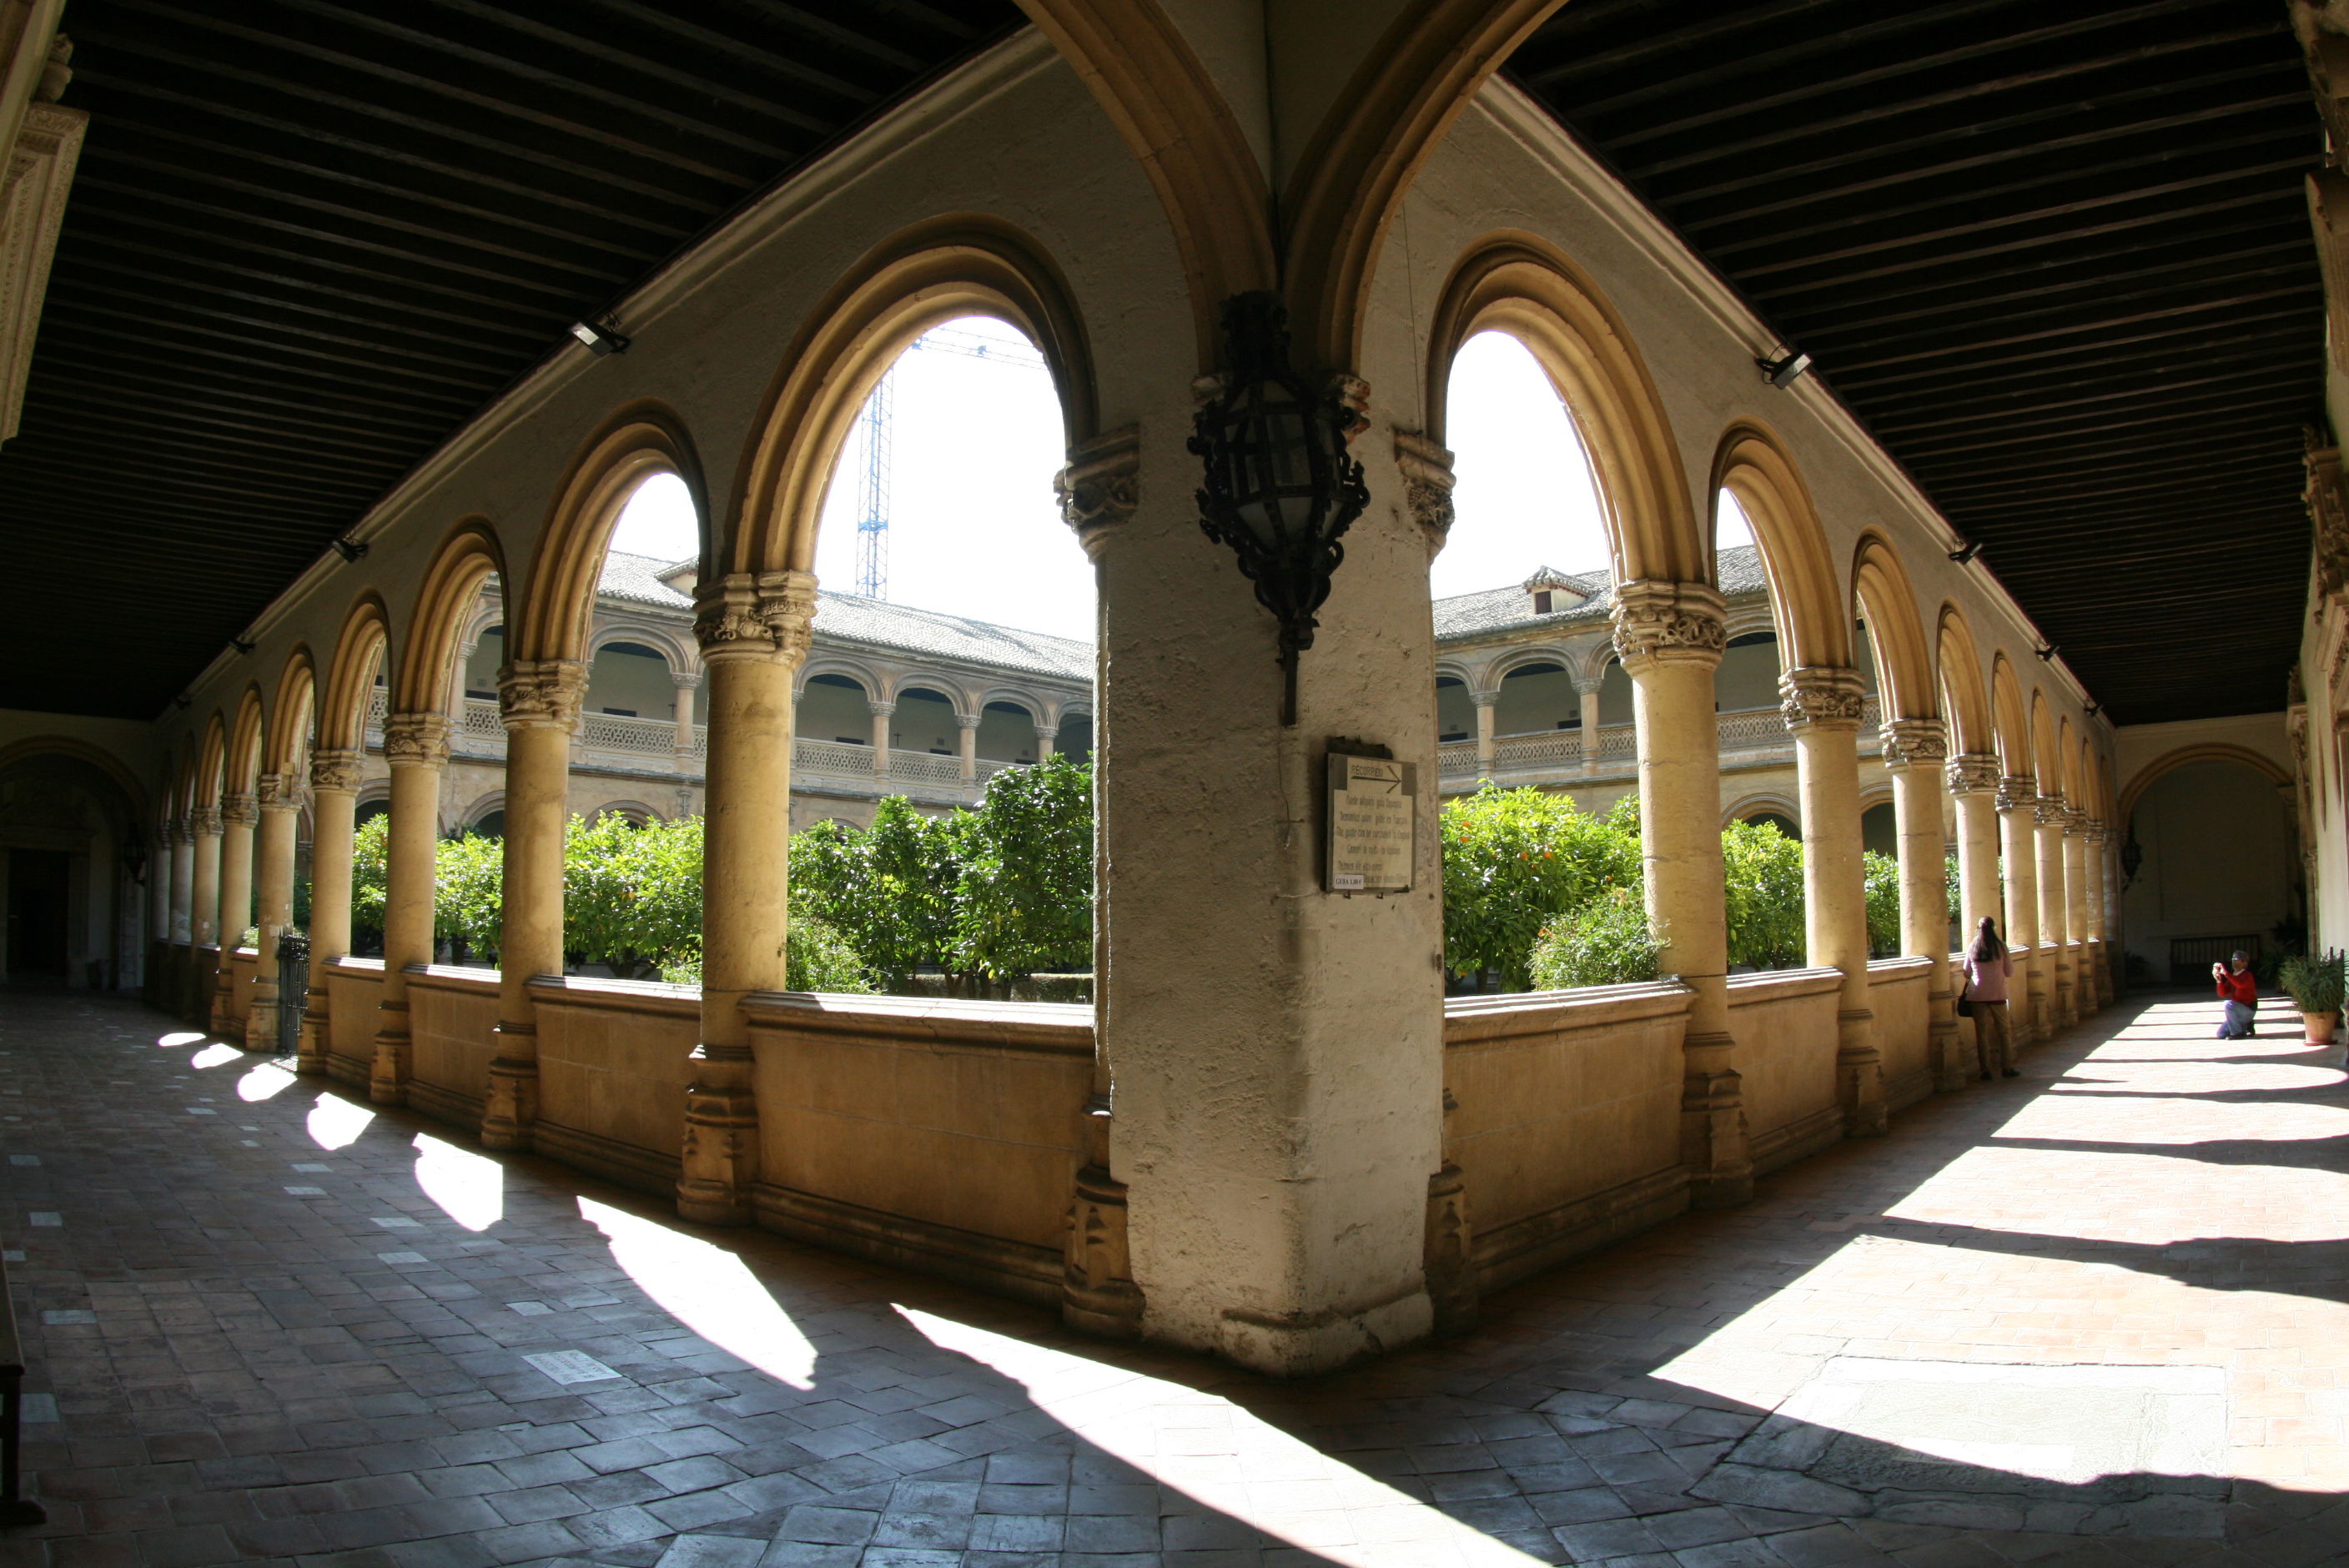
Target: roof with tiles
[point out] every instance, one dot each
(876, 623)
(1466, 616)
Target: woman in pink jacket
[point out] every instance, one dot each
(1988, 969)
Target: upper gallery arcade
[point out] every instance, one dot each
(1269, 1135)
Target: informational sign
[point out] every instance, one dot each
(1372, 824)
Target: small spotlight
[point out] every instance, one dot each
(2049, 652)
(2093, 709)
(240, 646)
(600, 337)
(348, 550)
(1971, 548)
(180, 700)
(1784, 372)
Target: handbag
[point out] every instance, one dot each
(1966, 1000)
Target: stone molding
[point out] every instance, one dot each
(33, 184)
(2328, 512)
(204, 822)
(278, 791)
(1100, 487)
(2018, 792)
(240, 808)
(1659, 622)
(684, 680)
(881, 709)
(1973, 773)
(1588, 684)
(970, 721)
(1915, 743)
(1823, 698)
(765, 615)
(1427, 482)
(416, 739)
(2049, 811)
(542, 693)
(338, 770)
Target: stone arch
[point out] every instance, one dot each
(359, 648)
(2068, 748)
(134, 793)
(1027, 701)
(290, 718)
(1517, 659)
(2043, 748)
(210, 755)
(1962, 695)
(2013, 720)
(558, 601)
(1762, 803)
(1522, 285)
(2168, 762)
(467, 558)
(967, 264)
(1806, 605)
(636, 812)
(241, 761)
(682, 655)
(871, 685)
(1881, 592)
(492, 803)
(1450, 668)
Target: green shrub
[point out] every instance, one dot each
(1604, 943)
(1882, 877)
(1517, 859)
(1762, 871)
(2316, 983)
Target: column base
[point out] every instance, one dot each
(720, 1155)
(1451, 1265)
(1097, 1295)
(388, 1074)
(1860, 1074)
(509, 1111)
(310, 1053)
(1303, 1343)
(261, 1022)
(1717, 1145)
(1945, 1048)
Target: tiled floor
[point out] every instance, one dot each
(2091, 1318)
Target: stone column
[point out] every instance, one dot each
(205, 907)
(1484, 698)
(334, 791)
(687, 682)
(1822, 705)
(1973, 784)
(1670, 638)
(183, 881)
(239, 814)
(753, 632)
(2055, 926)
(2084, 952)
(2027, 1010)
(880, 712)
(539, 701)
(416, 745)
(968, 740)
(272, 899)
(1045, 735)
(1586, 688)
(159, 885)
(1915, 752)
(2100, 911)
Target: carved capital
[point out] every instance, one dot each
(878, 708)
(2049, 811)
(1973, 773)
(684, 680)
(1822, 697)
(2018, 792)
(238, 808)
(1660, 622)
(542, 693)
(2328, 513)
(967, 720)
(278, 791)
(1427, 482)
(416, 739)
(1586, 684)
(337, 770)
(204, 822)
(1915, 743)
(764, 615)
(1101, 487)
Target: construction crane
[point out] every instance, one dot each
(873, 445)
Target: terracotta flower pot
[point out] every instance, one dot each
(2320, 1026)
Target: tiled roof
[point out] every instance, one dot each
(876, 623)
(1469, 615)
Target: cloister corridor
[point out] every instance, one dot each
(2095, 1317)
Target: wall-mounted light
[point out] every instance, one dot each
(2093, 709)
(1967, 552)
(240, 646)
(2132, 858)
(349, 550)
(134, 855)
(1281, 485)
(2049, 652)
(179, 701)
(1784, 372)
(600, 337)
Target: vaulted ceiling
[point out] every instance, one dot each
(2055, 256)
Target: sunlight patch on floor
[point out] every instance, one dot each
(215, 1057)
(1227, 1458)
(269, 1079)
(177, 1038)
(335, 1123)
(470, 1188)
(709, 1290)
(2144, 1200)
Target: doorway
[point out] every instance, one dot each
(36, 915)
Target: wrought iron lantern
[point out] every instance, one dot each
(1280, 487)
(2132, 858)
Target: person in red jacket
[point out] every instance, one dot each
(2239, 989)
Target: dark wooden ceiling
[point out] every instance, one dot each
(2054, 254)
(310, 237)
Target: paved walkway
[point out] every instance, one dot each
(2095, 1317)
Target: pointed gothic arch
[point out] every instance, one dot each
(360, 648)
(1806, 602)
(468, 556)
(287, 742)
(1880, 591)
(1965, 698)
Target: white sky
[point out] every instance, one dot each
(974, 529)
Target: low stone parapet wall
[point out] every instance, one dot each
(353, 990)
(243, 968)
(614, 1063)
(453, 1020)
(1783, 1021)
(1899, 993)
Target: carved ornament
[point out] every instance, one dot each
(1101, 487)
(239, 808)
(420, 740)
(1973, 773)
(684, 680)
(1663, 622)
(765, 615)
(204, 822)
(542, 693)
(1915, 743)
(278, 791)
(1427, 482)
(2018, 792)
(2049, 811)
(337, 770)
(2328, 513)
(1822, 697)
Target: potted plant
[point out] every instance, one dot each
(2316, 986)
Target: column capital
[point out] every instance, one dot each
(1100, 487)
(1588, 684)
(416, 739)
(1923, 743)
(967, 720)
(2018, 792)
(684, 680)
(204, 822)
(880, 709)
(1485, 696)
(1658, 621)
(764, 615)
(173, 829)
(238, 808)
(1822, 697)
(278, 791)
(1973, 773)
(337, 769)
(542, 693)
(2048, 810)
(2077, 821)
(1427, 482)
